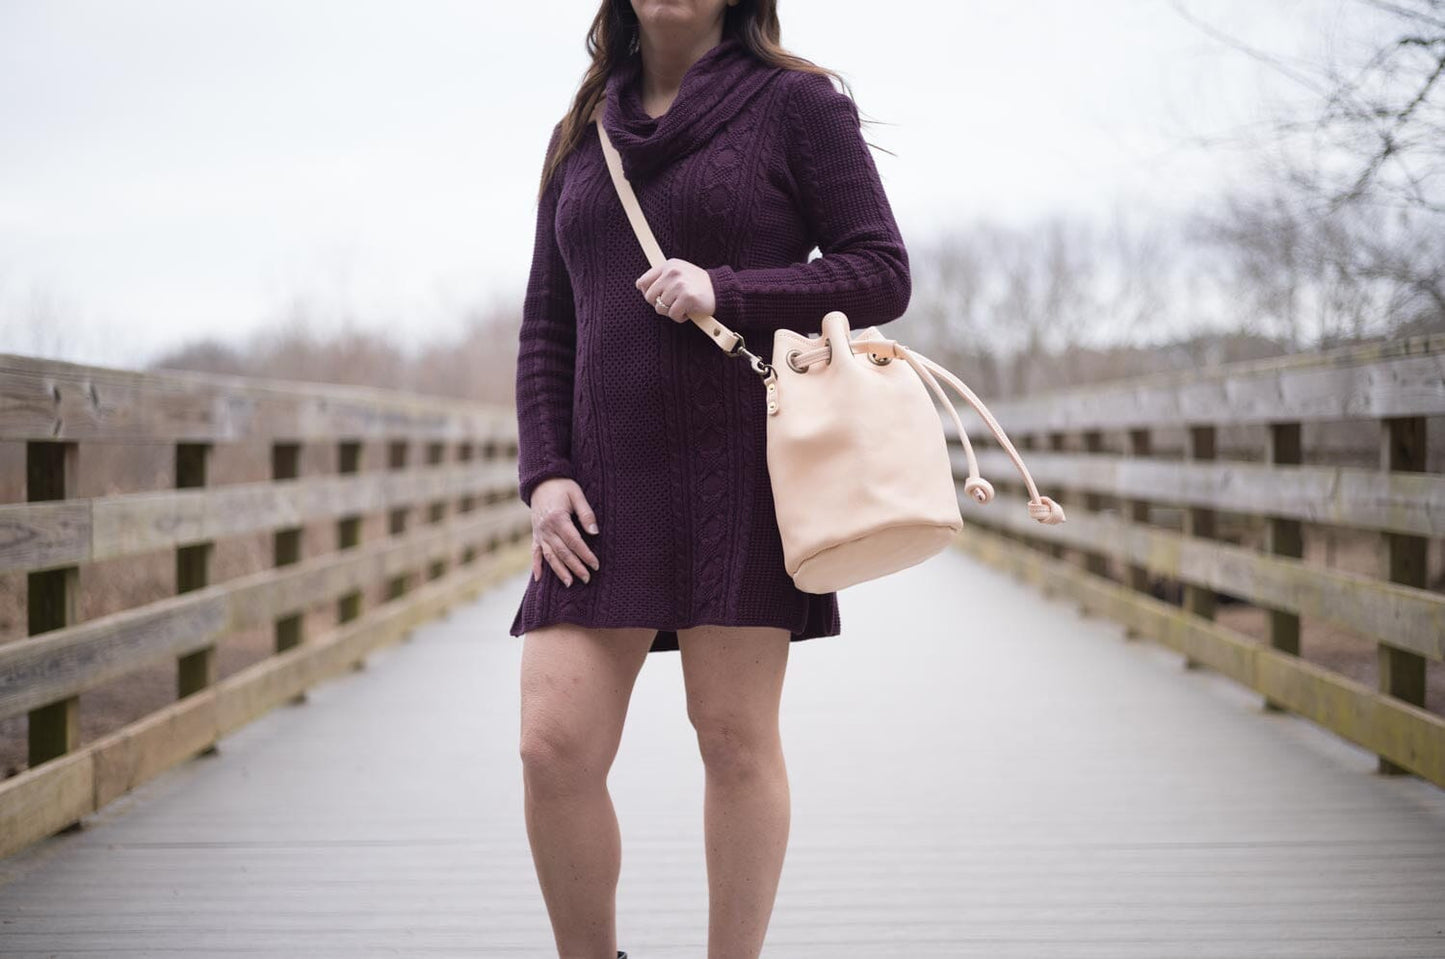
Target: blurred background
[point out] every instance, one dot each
(345, 193)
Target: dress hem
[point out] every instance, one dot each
(666, 638)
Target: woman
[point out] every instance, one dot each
(642, 445)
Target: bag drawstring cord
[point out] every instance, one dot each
(1041, 508)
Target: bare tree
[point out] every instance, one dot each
(1378, 129)
(1344, 234)
(1390, 113)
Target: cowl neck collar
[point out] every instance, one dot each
(714, 88)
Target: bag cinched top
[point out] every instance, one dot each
(857, 457)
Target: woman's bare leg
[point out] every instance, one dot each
(576, 683)
(734, 679)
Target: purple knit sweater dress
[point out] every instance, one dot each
(750, 168)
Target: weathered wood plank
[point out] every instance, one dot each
(1405, 617)
(53, 400)
(43, 799)
(36, 803)
(40, 535)
(1402, 502)
(45, 668)
(146, 748)
(1407, 734)
(1403, 377)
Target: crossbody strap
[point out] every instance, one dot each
(728, 341)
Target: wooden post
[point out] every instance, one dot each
(1095, 563)
(194, 671)
(437, 508)
(1283, 537)
(508, 448)
(286, 547)
(1402, 673)
(396, 520)
(1198, 521)
(348, 528)
(1137, 444)
(1060, 495)
(1025, 444)
(50, 474)
(466, 452)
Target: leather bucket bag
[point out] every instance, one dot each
(857, 458)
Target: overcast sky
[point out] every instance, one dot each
(174, 169)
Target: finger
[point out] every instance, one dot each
(562, 547)
(554, 561)
(574, 542)
(648, 278)
(585, 515)
(536, 560)
(653, 290)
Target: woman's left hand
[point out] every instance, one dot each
(677, 289)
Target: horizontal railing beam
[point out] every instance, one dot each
(50, 666)
(45, 400)
(35, 536)
(1377, 500)
(1405, 617)
(1403, 377)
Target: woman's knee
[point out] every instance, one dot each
(574, 685)
(562, 756)
(734, 746)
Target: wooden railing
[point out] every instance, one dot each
(1388, 391)
(454, 525)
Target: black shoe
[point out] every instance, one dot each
(621, 954)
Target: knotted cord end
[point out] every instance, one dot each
(979, 488)
(1046, 511)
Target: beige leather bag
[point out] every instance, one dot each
(861, 477)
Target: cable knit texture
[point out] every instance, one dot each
(749, 169)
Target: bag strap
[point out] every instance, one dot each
(729, 341)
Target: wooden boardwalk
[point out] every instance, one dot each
(976, 771)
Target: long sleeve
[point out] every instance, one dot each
(547, 346)
(863, 267)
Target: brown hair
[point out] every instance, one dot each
(614, 36)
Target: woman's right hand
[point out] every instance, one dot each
(554, 536)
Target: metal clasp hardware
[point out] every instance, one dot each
(760, 366)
